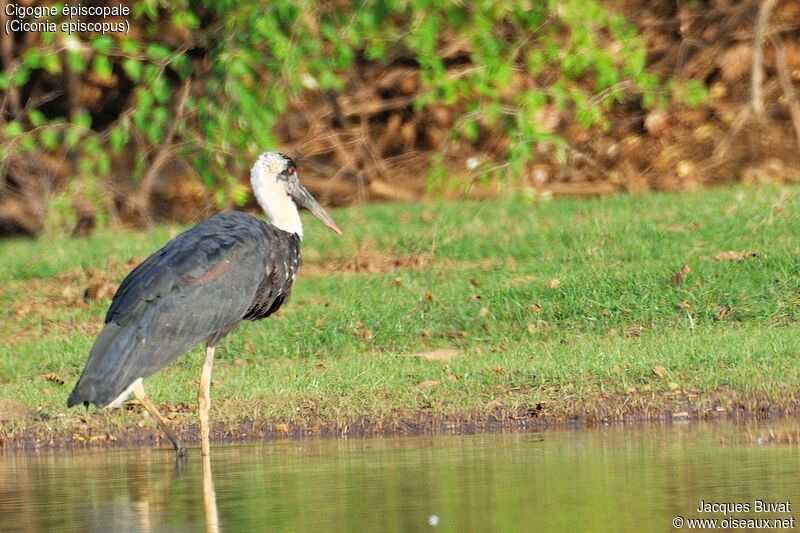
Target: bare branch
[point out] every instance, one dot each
(786, 85)
(757, 75)
(7, 50)
(142, 199)
(72, 83)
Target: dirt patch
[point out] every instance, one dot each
(67, 292)
(10, 411)
(372, 262)
(40, 313)
(104, 429)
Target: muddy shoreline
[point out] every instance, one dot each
(42, 437)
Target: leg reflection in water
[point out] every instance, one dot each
(209, 497)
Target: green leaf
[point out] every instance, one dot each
(26, 144)
(103, 43)
(82, 120)
(151, 73)
(76, 61)
(160, 91)
(71, 138)
(103, 162)
(182, 66)
(144, 100)
(102, 66)
(48, 138)
(117, 137)
(219, 198)
(154, 132)
(13, 129)
(51, 63)
(132, 68)
(32, 58)
(157, 51)
(185, 19)
(20, 77)
(36, 117)
(690, 92)
(129, 46)
(238, 195)
(147, 8)
(329, 81)
(471, 130)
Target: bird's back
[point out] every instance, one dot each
(198, 287)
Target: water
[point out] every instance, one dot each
(615, 479)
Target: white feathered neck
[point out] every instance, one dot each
(272, 196)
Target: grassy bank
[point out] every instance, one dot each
(457, 311)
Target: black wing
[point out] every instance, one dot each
(198, 287)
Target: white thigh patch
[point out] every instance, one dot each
(124, 396)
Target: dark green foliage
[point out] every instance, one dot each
(246, 60)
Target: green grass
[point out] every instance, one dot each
(726, 334)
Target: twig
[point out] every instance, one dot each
(350, 160)
(73, 85)
(373, 107)
(35, 103)
(7, 49)
(757, 76)
(786, 85)
(755, 108)
(142, 198)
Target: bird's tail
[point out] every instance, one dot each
(106, 375)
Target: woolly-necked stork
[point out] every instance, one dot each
(199, 287)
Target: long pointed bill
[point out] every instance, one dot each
(304, 199)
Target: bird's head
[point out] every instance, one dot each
(278, 190)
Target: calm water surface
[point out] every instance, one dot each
(617, 479)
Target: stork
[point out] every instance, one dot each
(199, 287)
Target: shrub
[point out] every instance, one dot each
(242, 63)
